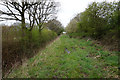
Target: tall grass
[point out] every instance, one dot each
(16, 46)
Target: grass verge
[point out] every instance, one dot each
(85, 60)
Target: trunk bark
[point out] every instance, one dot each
(40, 28)
(23, 25)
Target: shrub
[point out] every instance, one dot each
(16, 46)
(99, 21)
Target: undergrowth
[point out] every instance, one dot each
(18, 45)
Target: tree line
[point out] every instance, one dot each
(35, 12)
(36, 26)
(99, 21)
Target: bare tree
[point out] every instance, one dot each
(15, 11)
(35, 12)
(41, 12)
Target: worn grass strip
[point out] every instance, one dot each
(86, 60)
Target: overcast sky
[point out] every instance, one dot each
(69, 8)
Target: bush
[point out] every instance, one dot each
(17, 46)
(100, 21)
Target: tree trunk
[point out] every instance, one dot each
(23, 25)
(40, 28)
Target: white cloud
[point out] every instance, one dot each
(69, 8)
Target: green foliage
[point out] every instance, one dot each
(55, 26)
(115, 24)
(100, 21)
(97, 20)
(72, 26)
(37, 38)
(18, 44)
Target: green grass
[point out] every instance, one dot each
(85, 60)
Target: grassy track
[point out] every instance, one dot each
(84, 60)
